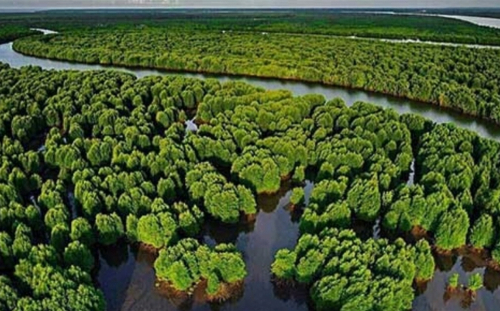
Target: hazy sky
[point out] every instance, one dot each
(248, 3)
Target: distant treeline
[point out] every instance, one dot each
(10, 33)
(326, 22)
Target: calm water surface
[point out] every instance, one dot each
(438, 115)
(127, 278)
(433, 295)
(481, 21)
(126, 275)
(477, 20)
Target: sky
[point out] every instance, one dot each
(33, 4)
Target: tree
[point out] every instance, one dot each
(213, 284)
(178, 275)
(475, 282)
(327, 292)
(78, 254)
(118, 143)
(424, 261)
(82, 231)
(8, 294)
(55, 216)
(316, 218)
(308, 266)
(187, 263)
(22, 241)
(6, 253)
(283, 266)
(483, 232)
(453, 281)
(452, 229)
(189, 224)
(230, 266)
(299, 174)
(156, 230)
(131, 227)
(297, 197)
(495, 254)
(364, 199)
(246, 200)
(59, 237)
(379, 271)
(223, 205)
(109, 228)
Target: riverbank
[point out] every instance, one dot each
(166, 69)
(432, 112)
(410, 73)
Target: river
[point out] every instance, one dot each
(432, 112)
(481, 21)
(476, 20)
(125, 273)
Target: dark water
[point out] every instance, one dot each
(435, 297)
(126, 275)
(127, 278)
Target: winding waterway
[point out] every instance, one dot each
(125, 273)
(432, 112)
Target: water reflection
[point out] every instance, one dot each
(127, 278)
(411, 176)
(465, 262)
(115, 266)
(481, 21)
(191, 126)
(72, 204)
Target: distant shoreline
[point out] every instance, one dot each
(343, 9)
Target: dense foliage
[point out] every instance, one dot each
(463, 79)
(315, 21)
(188, 263)
(347, 273)
(98, 157)
(10, 33)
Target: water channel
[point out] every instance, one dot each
(125, 273)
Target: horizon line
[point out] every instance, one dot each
(41, 8)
